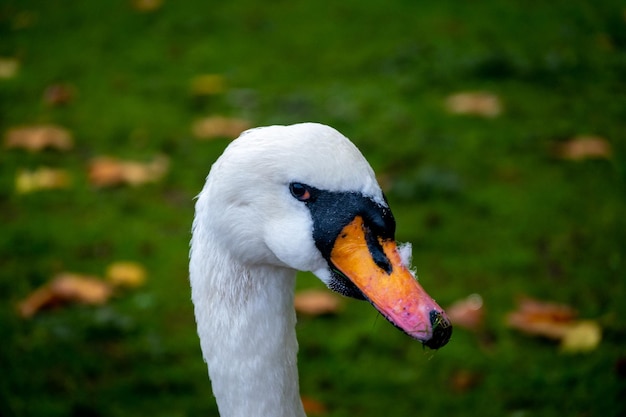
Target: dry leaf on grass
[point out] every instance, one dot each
(59, 94)
(555, 321)
(146, 5)
(66, 288)
(107, 171)
(39, 137)
(476, 103)
(9, 67)
(316, 302)
(584, 147)
(208, 84)
(219, 127)
(313, 407)
(126, 274)
(41, 179)
(467, 312)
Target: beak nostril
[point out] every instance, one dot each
(442, 330)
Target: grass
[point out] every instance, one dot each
(488, 207)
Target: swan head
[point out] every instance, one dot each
(303, 197)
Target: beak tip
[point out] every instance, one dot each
(441, 330)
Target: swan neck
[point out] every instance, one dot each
(246, 323)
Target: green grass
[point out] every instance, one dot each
(487, 206)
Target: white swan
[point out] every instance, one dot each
(281, 199)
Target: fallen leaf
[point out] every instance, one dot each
(146, 5)
(583, 336)
(555, 321)
(208, 84)
(219, 127)
(467, 312)
(463, 380)
(476, 103)
(316, 302)
(59, 94)
(126, 274)
(66, 288)
(584, 147)
(41, 179)
(9, 67)
(313, 407)
(107, 171)
(39, 137)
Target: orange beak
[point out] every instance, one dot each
(396, 294)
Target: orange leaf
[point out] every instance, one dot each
(126, 274)
(59, 94)
(219, 127)
(555, 321)
(584, 147)
(107, 171)
(313, 407)
(41, 179)
(316, 302)
(65, 288)
(476, 103)
(37, 138)
(147, 5)
(467, 312)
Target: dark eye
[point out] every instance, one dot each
(300, 191)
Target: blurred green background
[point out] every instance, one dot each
(491, 204)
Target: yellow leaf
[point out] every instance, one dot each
(476, 103)
(38, 137)
(9, 67)
(583, 336)
(126, 274)
(41, 179)
(208, 84)
(219, 127)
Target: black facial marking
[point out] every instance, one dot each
(331, 211)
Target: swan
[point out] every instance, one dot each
(281, 199)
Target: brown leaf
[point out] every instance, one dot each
(126, 274)
(66, 288)
(476, 103)
(316, 302)
(146, 5)
(41, 179)
(584, 147)
(9, 67)
(463, 380)
(313, 407)
(107, 171)
(555, 321)
(467, 312)
(219, 127)
(37, 138)
(59, 94)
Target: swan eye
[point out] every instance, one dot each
(300, 191)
